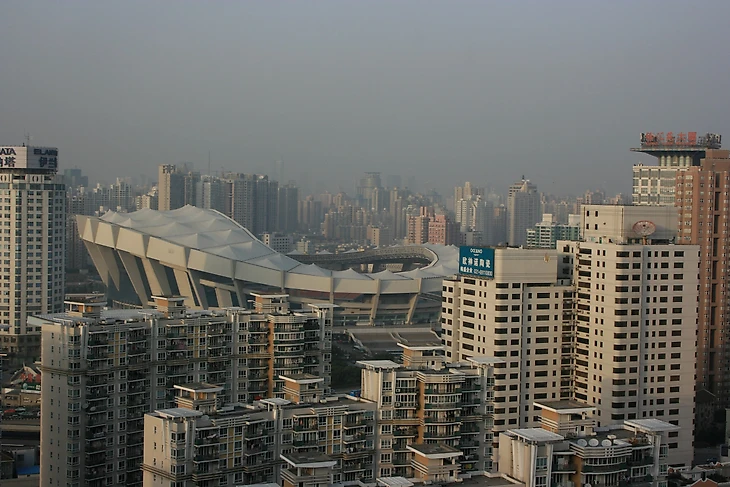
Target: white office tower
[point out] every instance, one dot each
(523, 211)
(523, 316)
(33, 247)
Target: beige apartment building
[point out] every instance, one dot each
(423, 421)
(610, 322)
(523, 317)
(104, 370)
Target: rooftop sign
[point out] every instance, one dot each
(689, 139)
(476, 261)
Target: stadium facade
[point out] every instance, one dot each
(215, 262)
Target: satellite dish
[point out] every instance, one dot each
(644, 228)
(593, 442)
(582, 442)
(606, 443)
(85, 406)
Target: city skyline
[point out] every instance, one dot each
(408, 88)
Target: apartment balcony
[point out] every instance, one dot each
(354, 438)
(563, 465)
(206, 471)
(398, 432)
(604, 469)
(96, 340)
(95, 459)
(442, 435)
(442, 405)
(300, 426)
(94, 355)
(435, 391)
(140, 349)
(93, 474)
(442, 419)
(468, 443)
(207, 440)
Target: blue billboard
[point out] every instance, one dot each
(476, 261)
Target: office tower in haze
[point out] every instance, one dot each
(33, 269)
(288, 208)
(654, 185)
(523, 211)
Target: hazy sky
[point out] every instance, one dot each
(444, 91)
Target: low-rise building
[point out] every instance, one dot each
(569, 451)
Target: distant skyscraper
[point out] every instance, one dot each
(288, 207)
(545, 234)
(523, 211)
(33, 270)
(171, 187)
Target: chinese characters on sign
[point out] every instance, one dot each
(22, 157)
(476, 261)
(8, 156)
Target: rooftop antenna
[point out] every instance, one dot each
(209, 162)
(27, 139)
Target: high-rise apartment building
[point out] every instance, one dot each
(104, 370)
(171, 188)
(32, 272)
(655, 185)
(418, 420)
(545, 234)
(704, 214)
(609, 321)
(523, 211)
(523, 317)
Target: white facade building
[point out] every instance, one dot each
(32, 269)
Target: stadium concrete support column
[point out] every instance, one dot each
(183, 284)
(198, 288)
(239, 292)
(375, 302)
(130, 265)
(414, 302)
(105, 263)
(156, 277)
(224, 297)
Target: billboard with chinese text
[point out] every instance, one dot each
(21, 157)
(476, 261)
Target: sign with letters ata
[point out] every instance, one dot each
(22, 157)
(476, 261)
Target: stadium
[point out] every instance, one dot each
(214, 262)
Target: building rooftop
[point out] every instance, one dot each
(199, 387)
(435, 449)
(394, 482)
(536, 435)
(566, 406)
(178, 413)
(302, 378)
(378, 364)
(484, 360)
(484, 481)
(312, 459)
(651, 425)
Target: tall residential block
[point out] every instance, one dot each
(609, 321)
(34, 245)
(704, 214)
(524, 317)
(171, 188)
(523, 211)
(545, 234)
(104, 370)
